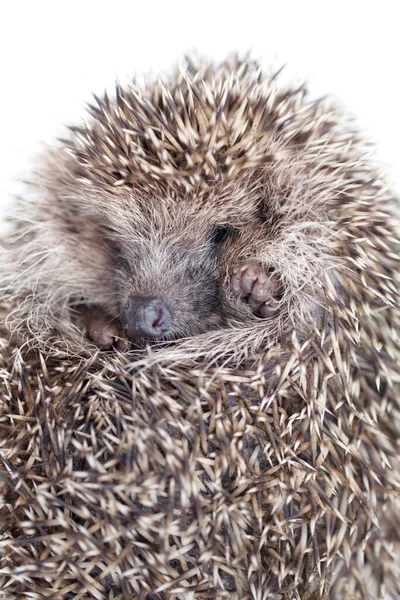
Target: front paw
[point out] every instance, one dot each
(261, 290)
(100, 328)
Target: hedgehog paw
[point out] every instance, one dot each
(99, 328)
(261, 290)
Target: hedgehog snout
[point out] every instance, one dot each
(145, 316)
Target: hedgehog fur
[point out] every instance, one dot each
(251, 459)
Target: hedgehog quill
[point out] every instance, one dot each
(200, 395)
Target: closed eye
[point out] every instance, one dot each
(122, 264)
(219, 235)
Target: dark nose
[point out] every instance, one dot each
(145, 316)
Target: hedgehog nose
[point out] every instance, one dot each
(145, 316)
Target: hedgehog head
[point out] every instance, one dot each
(151, 208)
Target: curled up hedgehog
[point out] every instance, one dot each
(200, 388)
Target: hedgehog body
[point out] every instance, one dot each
(246, 454)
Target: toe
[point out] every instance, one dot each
(249, 277)
(262, 289)
(121, 342)
(100, 328)
(267, 309)
(253, 303)
(101, 334)
(237, 285)
(107, 335)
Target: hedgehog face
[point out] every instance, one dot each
(170, 287)
(168, 272)
(175, 267)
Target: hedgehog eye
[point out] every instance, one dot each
(219, 235)
(122, 263)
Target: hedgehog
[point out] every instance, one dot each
(200, 390)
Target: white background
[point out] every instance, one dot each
(53, 54)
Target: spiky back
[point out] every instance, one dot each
(199, 127)
(190, 131)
